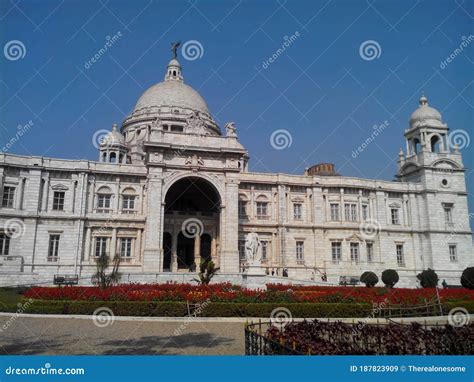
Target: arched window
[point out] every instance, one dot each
(104, 157)
(129, 201)
(104, 199)
(416, 145)
(112, 157)
(435, 144)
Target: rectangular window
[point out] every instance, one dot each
(128, 203)
(448, 214)
(334, 211)
(370, 252)
(262, 210)
(53, 249)
(242, 249)
(126, 247)
(354, 253)
(400, 256)
(242, 208)
(350, 212)
(297, 211)
(8, 197)
(264, 249)
(58, 200)
(300, 252)
(395, 216)
(453, 252)
(365, 212)
(336, 252)
(103, 203)
(4, 244)
(100, 246)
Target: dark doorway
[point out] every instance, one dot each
(191, 195)
(167, 251)
(185, 252)
(206, 248)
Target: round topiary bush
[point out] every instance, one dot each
(467, 278)
(369, 279)
(390, 277)
(428, 278)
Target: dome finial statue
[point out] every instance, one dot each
(174, 49)
(423, 99)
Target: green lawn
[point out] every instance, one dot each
(9, 297)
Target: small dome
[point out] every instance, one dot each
(425, 114)
(114, 138)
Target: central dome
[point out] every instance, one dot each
(172, 93)
(174, 104)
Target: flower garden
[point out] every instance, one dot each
(337, 338)
(226, 292)
(227, 300)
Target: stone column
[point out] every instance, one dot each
(19, 199)
(229, 251)
(113, 243)
(197, 251)
(174, 250)
(152, 256)
(138, 247)
(87, 244)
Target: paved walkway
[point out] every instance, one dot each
(66, 335)
(31, 334)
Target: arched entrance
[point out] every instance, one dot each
(191, 219)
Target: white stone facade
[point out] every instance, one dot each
(57, 215)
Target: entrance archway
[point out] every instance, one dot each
(192, 217)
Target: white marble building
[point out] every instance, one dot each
(169, 169)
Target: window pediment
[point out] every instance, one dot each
(59, 187)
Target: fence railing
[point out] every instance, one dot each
(426, 309)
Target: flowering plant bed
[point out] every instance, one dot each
(337, 338)
(226, 292)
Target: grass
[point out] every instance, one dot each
(10, 297)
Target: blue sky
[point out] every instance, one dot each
(320, 89)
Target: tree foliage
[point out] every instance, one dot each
(369, 279)
(390, 277)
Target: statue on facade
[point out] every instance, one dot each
(195, 124)
(157, 124)
(252, 249)
(231, 130)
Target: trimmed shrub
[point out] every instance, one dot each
(369, 279)
(213, 309)
(467, 278)
(390, 277)
(428, 278)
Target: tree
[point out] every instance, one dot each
(390, 277)
(101, 278)
(467, 278)
(428, 278)
(369, 279)
(207, 271)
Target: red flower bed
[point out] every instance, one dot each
(226, 292)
